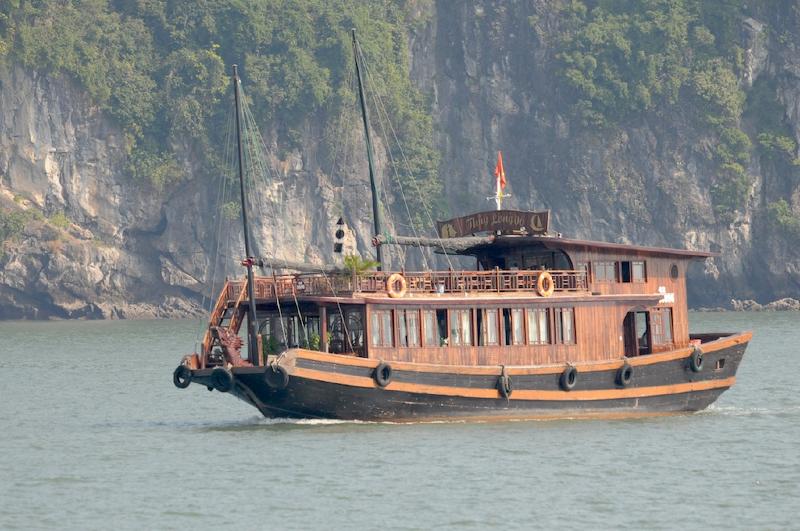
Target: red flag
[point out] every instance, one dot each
(499, 172)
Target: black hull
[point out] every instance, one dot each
(329, 387)
(307, 400)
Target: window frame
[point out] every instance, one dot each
(403, 325)
(662, 335)
(634, 278)
(463, 327)
(558, 329)
(378, 321)
(518, 332)
(433, 328)
(601, 269)
(540, 316)
(483, 327)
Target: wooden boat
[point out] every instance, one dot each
(544, 326)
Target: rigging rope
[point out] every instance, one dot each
(411, 177)
(221, 199)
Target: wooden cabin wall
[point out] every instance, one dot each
(599, 326)
(657, 277)
(596, 340)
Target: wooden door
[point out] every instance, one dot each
(629, 335)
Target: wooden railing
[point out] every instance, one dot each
(428, 282)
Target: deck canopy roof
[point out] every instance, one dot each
(557, 243)
(473, 245)
(498, 230)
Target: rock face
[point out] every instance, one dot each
(646, 182)
(108, 247)
(98, 245)
(59, 156)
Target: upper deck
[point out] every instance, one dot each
(419, 284)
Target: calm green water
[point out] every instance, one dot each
(93, 435)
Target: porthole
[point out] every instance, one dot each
(673, 271)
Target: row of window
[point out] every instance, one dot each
(472, 327)
(620, 271)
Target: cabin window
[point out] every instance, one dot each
(408, 327)
(518, 326)
(604, 271)
(541, 259)
(336, 333)
(643, 324)
(346, 335)
(538, 326)
(487, 325)
(271, 333)
(311, 338)
(638, 271)
(565, 325)
(624, 271)
(381, 328)
(355, 329)
(461, 327)
(673, 272)
(514, 326)
(631, 271)
(286, 332)
(666, 323)
(435, 327)
(661, 324)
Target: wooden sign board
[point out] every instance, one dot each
(503, 221)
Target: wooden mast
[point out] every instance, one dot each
(252, 341)
(376, 215)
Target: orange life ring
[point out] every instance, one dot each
(544, 284)
(396, 286)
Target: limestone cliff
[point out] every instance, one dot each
(99, 245)
(96, 244)
(647, 181)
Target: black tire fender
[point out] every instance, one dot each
(182, 376)
(276, 376)
(568, 378)
(505, 386)
(696, 360)
(382, 374)
(624, 375)
(222, 379)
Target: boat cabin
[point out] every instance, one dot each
(600, 301)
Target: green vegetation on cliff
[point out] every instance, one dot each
(621, 59)
(160, 68)
(782, 218)
(11, 224)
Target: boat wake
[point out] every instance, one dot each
(734, 411)
(308, 422)
(257, 422)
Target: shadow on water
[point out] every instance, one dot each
(284, 424)
(259, 423)
(247, 424)
(262, 424)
